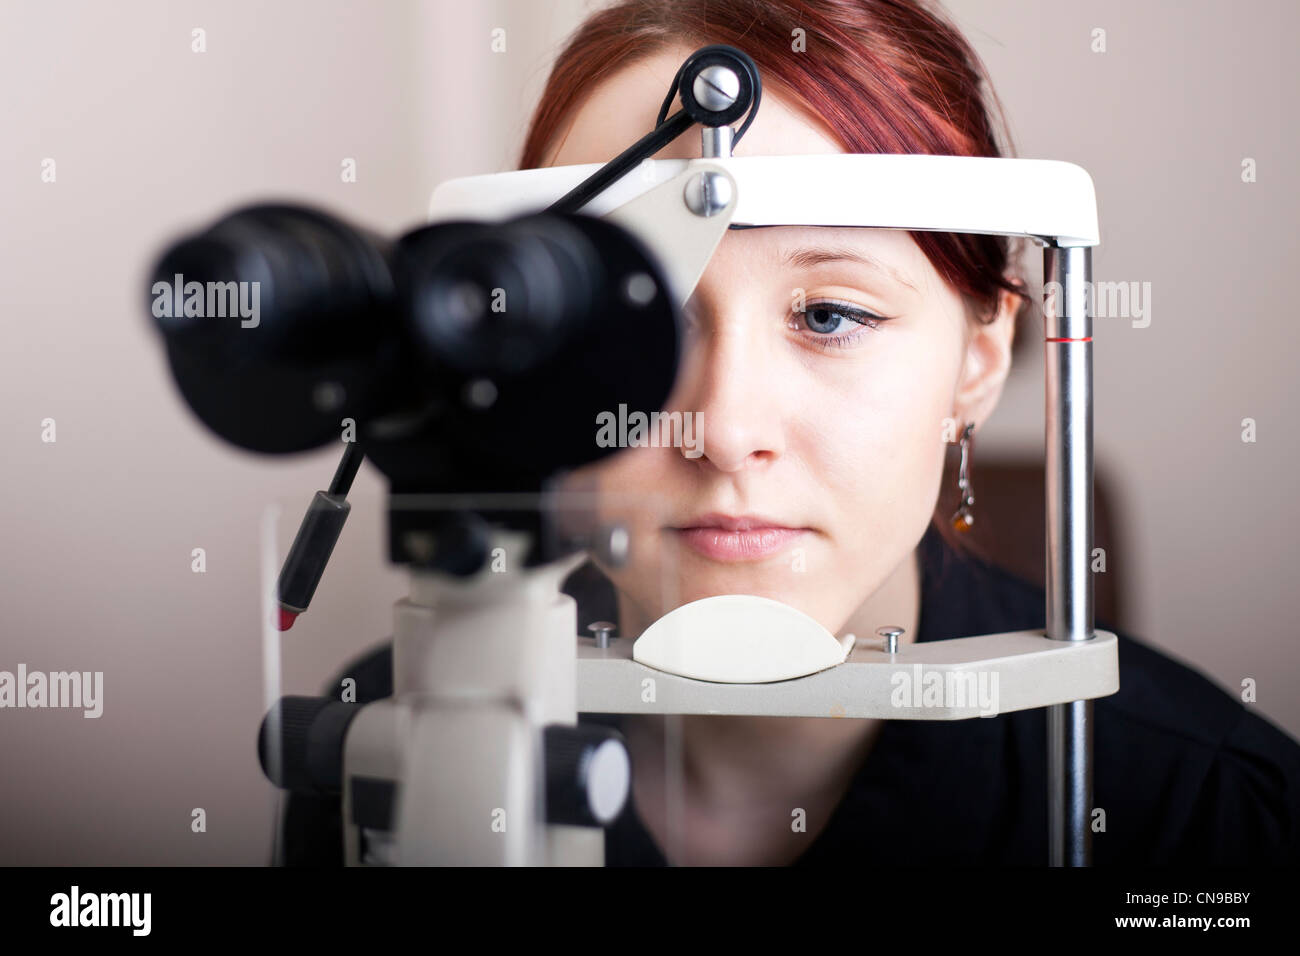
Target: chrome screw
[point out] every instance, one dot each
(716, 88)
(602, 630)
(707, 194)
(890, 633)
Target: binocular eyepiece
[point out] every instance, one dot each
(496, 344)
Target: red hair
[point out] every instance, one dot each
(882, 76)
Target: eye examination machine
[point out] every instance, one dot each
(468, 360)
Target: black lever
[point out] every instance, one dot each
(317, 535)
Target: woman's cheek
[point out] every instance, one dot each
(877, 460)
(634, 487)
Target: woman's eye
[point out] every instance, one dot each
(836, 320)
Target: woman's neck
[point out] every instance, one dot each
(712, 768)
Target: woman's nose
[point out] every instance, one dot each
(735, 392)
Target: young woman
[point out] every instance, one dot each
(824, 429)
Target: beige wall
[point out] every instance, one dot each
(1162, 120)
(150, 138)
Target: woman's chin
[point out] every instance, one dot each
(773, 583)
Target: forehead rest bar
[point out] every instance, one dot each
(1047, 200)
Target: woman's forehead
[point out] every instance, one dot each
(887, 254)
(622, 107)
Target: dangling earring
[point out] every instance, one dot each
(964, 518)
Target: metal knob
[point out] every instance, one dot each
(890, 633)
(602, 630)
(588, 774)
(707, 194)
(716, 88)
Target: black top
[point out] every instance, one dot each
(1185, 773)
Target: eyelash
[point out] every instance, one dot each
(868, 320)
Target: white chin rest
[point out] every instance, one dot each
(739, 639)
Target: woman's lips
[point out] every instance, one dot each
(737, 539)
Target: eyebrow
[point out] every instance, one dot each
(807, 257)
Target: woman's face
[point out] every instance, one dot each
(820, 434)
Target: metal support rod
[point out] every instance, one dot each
(1067, 360)
(715, 141)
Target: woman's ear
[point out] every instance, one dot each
(986, 362)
